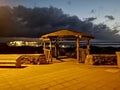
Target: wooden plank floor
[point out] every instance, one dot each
(67, 75)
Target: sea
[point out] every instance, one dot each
(105, 44)
(97, 44)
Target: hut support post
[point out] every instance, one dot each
(55, 53)
(77, 49)
(50, 50)
(57, 48)
(44, 46)
(88, 47)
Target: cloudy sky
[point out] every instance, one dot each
(81, 8)
(97, 12)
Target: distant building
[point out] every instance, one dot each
(24, 43)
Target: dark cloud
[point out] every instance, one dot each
(69, 2)
(92, 11)
(110, 17)
(21, 21)
(102, 32)
(90, 19)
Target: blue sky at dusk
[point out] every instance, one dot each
(101, 18)
(81, 8)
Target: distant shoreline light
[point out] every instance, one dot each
(63, 44)
(24, 43)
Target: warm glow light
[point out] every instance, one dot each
(24, 43)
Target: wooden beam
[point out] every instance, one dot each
(77, 49)
(88, 47)
(51, 50)
(44, 45)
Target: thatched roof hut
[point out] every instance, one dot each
(78, 36)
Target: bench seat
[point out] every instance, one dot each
(7, 61)
(10, 59)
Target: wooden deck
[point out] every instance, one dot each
(60, 76)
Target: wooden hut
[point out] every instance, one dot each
(59, 35)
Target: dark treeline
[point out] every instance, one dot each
(104, 50)
(5, 49)
(71, 51)
(21, 21)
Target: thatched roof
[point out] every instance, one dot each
(66, 33)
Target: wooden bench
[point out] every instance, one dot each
(10, 59)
